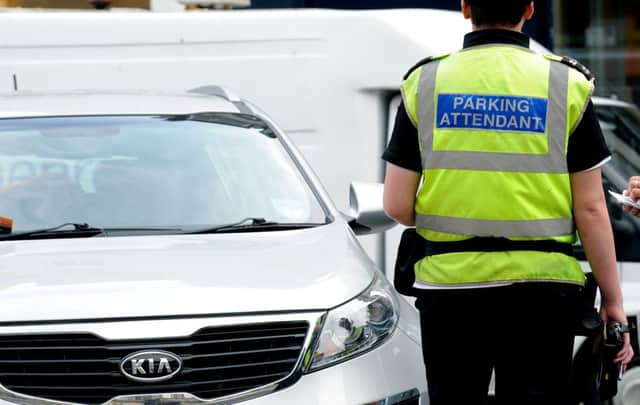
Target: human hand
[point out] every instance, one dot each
(615, 312)
(633, 191)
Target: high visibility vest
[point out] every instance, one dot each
(493, 125)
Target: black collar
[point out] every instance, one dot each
(493, 36)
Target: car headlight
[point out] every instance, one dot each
(357, 326)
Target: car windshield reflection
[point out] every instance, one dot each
(187, 171)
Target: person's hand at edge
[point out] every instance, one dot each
(633, 191)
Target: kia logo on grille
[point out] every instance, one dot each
(150, 366)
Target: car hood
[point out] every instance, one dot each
(169, 275)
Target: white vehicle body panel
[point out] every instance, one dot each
(32, 104)
(146, 276)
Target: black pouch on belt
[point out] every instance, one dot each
(412, 248)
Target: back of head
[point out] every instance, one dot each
(497, 12)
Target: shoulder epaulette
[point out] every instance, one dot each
(578, 66)
(423, 62)
(569, 61)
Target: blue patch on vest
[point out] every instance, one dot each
(499, 113)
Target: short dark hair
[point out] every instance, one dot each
(497, 12)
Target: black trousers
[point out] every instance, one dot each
(522, 331)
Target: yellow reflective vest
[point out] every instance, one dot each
(493, 124)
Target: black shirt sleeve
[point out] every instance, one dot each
(587, 147)
(403, 149)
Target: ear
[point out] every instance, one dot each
(528, 13)
(466, 10)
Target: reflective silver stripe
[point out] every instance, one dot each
(484, 227)
(499, 162)
(557, 116)
(552, 162)
(426, 108)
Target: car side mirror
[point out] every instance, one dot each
(366, 213)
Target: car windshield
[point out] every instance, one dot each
(621, 128)
(187, 172)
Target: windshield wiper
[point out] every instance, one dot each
(84, 230)
(252, 224)
(79, 231)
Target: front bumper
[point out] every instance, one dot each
(392, 373)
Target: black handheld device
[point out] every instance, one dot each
(609, 372)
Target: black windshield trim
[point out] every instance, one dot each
(234, 119)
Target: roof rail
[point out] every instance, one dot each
(220, 91)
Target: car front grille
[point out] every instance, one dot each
(217, 361)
